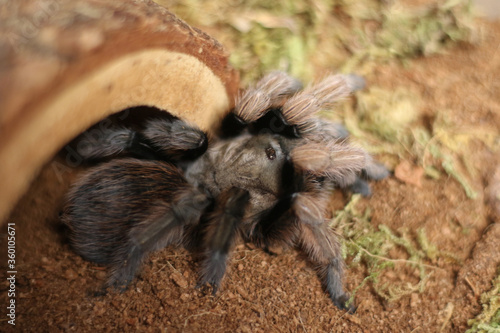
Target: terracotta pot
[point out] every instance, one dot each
(66, 65)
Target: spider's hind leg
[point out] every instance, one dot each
(164, 226)
(175, 139)
(160, 139)
(110, 142)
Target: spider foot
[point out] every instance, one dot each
(120, 285)
(362, 187)
(270, 252)
(205, 287)
(103, 291)
(341, 302)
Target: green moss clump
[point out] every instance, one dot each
(488, 321)
(370, 246)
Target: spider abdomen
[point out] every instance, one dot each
(112, 199)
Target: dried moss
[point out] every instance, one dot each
(267, 35)
(388, 123)
(404, 32)
(387, 113)
(449, 146)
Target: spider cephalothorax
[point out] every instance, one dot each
(266, 178)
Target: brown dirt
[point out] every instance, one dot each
(263, 293)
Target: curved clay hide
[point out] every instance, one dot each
(66, 65)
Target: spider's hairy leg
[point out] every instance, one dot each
(269, 92)
(278, 86)
(175, 138)
(323, 248)
(300, 109)
(347, 166)
(304, 197)
(111, 142)
(355, 82)
(310, 209)
(299, 219)
(374, 170)
(337, 161)
(326, 131)
(161, 138)
(277, 223)
(220, 234)
(163, 226)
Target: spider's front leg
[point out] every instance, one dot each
(348, 167)
(299, 112)
(299, 218)
(296, 116)
(320, 165)
(323, 248)
(372, 171)
(317, 239)
(220, 234)
(268, 93)
(160, 139)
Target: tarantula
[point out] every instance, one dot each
(266, 178)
